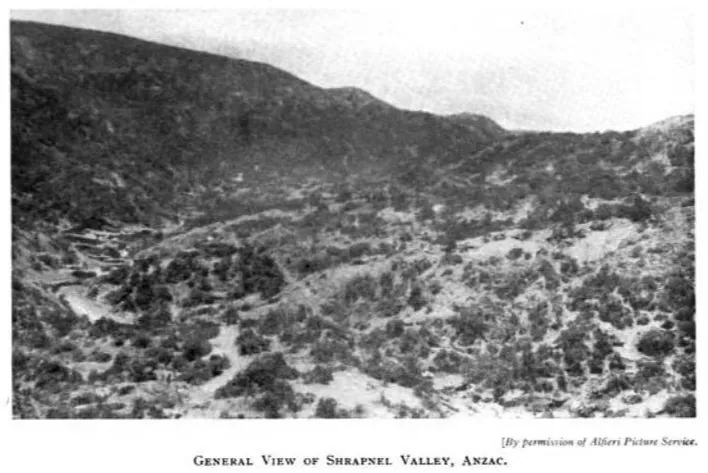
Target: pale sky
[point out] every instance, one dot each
(535, 69)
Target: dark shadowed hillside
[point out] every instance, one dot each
(101, 108)
(201, 236)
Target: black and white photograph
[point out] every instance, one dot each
(352, 214)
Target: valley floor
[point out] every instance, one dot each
(351, 307)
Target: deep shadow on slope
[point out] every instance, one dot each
(139, 124)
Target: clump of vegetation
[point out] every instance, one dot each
(650, 375)
(681, 406)
(260, 273)
(318, 375)
(610, 309)
(417, 342)
(449, 361)
(277, 320)
(416, 299)
(314, 264)
(469, 325)
(616, 363)
(357, 250)
(61, 321)
(515, 283)
(685, 366)
(493, 372)
(640, 210)
(681, 297)
(332, 348)
(51, 376)
(361, 287)
(616, 384)
(515, 253)
(195, 348)
(116, 276)
(158, 316)
(184, 265)
(405, 371)
(250, 343)
(656, 343)
(231, 316)
(601, 349)
(604, 281)
(395, 328)
(275, 398)
(327, 409)
(575, 351)
(198, 296)
(540, 320)
(274, 322)
(201, 371)
(266, 373)
(105, 327)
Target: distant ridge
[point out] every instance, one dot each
(355, 96)
(479, 122)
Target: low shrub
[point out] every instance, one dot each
(278, 395)
(231, 316)
(326, 408)
(615, 384)
(116, 276)
(156, 317)
(416, 299)
(61, 321)
(448, 361)
(357, 250)
(515, 253)
(469, 326)
(640, 210)
(195, 348)
(575, 351)
(200, 371)
(405, 371)
(361, 287)
(331, 349)
(198, 296)
(681, 406)
(182, 267)
(260, 375)
(53, 376)
(394, 328)
(260, 273)
(685, 366)
(650, 376)
(656, 343)
(250, 343)
(318, 375)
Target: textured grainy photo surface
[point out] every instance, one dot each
(352, 214)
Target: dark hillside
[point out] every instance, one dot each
(87, 104)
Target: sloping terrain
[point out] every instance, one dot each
(141, 124)
(199, 236)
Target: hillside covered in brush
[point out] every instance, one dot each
(117, 113)
(202, 236)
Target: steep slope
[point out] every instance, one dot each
(129, 114)
(198, 236)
